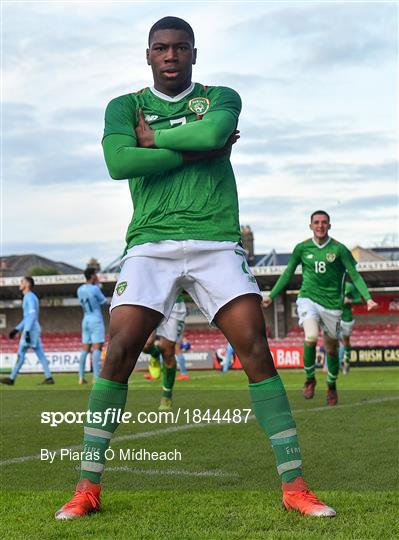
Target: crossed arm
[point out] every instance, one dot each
(152, 152)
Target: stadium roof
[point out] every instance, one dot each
(32, 264)
(390, 253)
(271, 259)
(377, 274)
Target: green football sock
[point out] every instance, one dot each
(97, 435)
(347, 353)
(273, 413)
(309, 360)
(333, 369)
(168, 376)
(154, 351)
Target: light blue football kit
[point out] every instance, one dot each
(93, 330)
(30, 323)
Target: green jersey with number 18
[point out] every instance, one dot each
(196, 201)
(323, 272)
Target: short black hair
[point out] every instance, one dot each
(167, 23)
(30, 281)
(89, 273)
(322, 212)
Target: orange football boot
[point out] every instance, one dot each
(183, 378)
(85, 500)
(297, 496)
(332, 396)
(308, 388)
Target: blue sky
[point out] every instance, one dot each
(318, 127)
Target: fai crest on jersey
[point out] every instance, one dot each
(199, 105)
(121, 287)
(330, 257)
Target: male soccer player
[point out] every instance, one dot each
(30, 331)
(228, 358)
(324, 264)
(351, 297)
(181, 348)
(169, 332)
(93, 331)
(173, 142)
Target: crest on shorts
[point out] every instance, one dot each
(121, 287)
(199, 105)
(330, 257)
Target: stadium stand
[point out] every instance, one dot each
(210, 340)
(60, 312)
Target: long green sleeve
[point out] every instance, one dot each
(357, 280)
(210, 133)
(125, 160)
(286, 276)
(353, 294)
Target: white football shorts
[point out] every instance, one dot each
(173, 328)
(213, 273)
(347, 327)
(328, 319)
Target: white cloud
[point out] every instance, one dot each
(318, 84)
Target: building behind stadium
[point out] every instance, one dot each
(375, 339)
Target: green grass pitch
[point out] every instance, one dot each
(226, 484)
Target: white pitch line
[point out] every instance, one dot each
(172, 472)
(184, 427)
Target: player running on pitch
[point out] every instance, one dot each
(93, 330)
(181, 349)
(30, 331)
(173, 141)
(324, 264)
(351, 297)
(169, 331)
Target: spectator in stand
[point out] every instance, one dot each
(30, 331)
(183, 347)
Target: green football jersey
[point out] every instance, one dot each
(353, 295)
(323, 272)
(195, 201)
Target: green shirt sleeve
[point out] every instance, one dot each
(286, 276)
(209, 133)
(350, 265)
(122, 156)
(352, 293)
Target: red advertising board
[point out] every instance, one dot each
(284, 357)
(386, 305)
(287, 357)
